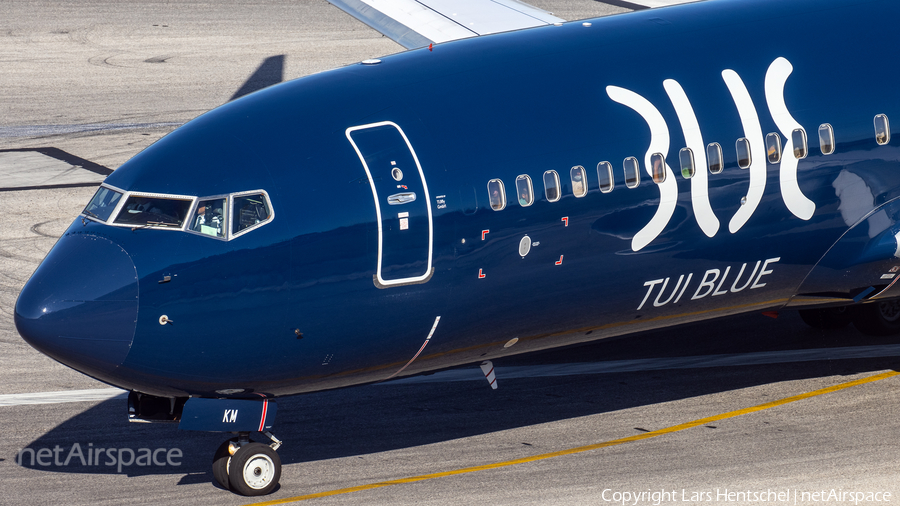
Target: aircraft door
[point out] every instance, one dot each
(402, 203)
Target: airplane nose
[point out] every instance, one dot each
(80, 305)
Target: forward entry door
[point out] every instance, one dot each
(402, 203)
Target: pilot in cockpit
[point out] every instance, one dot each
(209, 218)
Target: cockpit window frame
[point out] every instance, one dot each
(195, 201)
(232, 197)
(116, 209)
(111, 221)
(227, 197)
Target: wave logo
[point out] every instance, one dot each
(796, 202)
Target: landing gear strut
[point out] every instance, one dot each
(247, 467)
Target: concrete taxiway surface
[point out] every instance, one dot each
(659, 412)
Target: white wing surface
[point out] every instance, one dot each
(652, 4)
(417, 23)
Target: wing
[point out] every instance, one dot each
(651, 4)
(413, 23)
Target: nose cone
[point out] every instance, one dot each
(80, 306)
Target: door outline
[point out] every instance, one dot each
(428, 268)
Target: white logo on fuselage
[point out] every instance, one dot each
(776, 77)
(711, 283)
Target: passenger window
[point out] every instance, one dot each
(605, 174)
(249, 210)
(658, 164)
(579, 181)
(210, 218)
(773, 147)
(632, 172)
(826, 139)
(551, 185)
(742, 146)
(714, 158)
(496, 194)
(103, 204)
(882, 130)
(798, 137)
(524, 190)
(153, 211)
(686, 160)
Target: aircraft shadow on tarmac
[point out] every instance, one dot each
(363, 420)
(47, 167)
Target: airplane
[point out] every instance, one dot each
(486, 196)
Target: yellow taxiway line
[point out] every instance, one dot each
(587, 448)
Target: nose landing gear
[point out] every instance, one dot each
(240, 465)
(247, 467)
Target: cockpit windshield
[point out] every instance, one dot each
(210, 218)
(249, 211)
(103, 204)
(224, 217)
(154, 211)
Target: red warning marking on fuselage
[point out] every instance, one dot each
(484, 233)
(565, 220)
(559, 262)
(480, 274)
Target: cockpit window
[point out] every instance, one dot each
(221, 216)
(103, 204)
(248, 211)
(211, 217)
(154, 211)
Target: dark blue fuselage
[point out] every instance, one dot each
(476, 110)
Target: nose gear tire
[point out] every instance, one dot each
(220, 464)
(254, 470)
